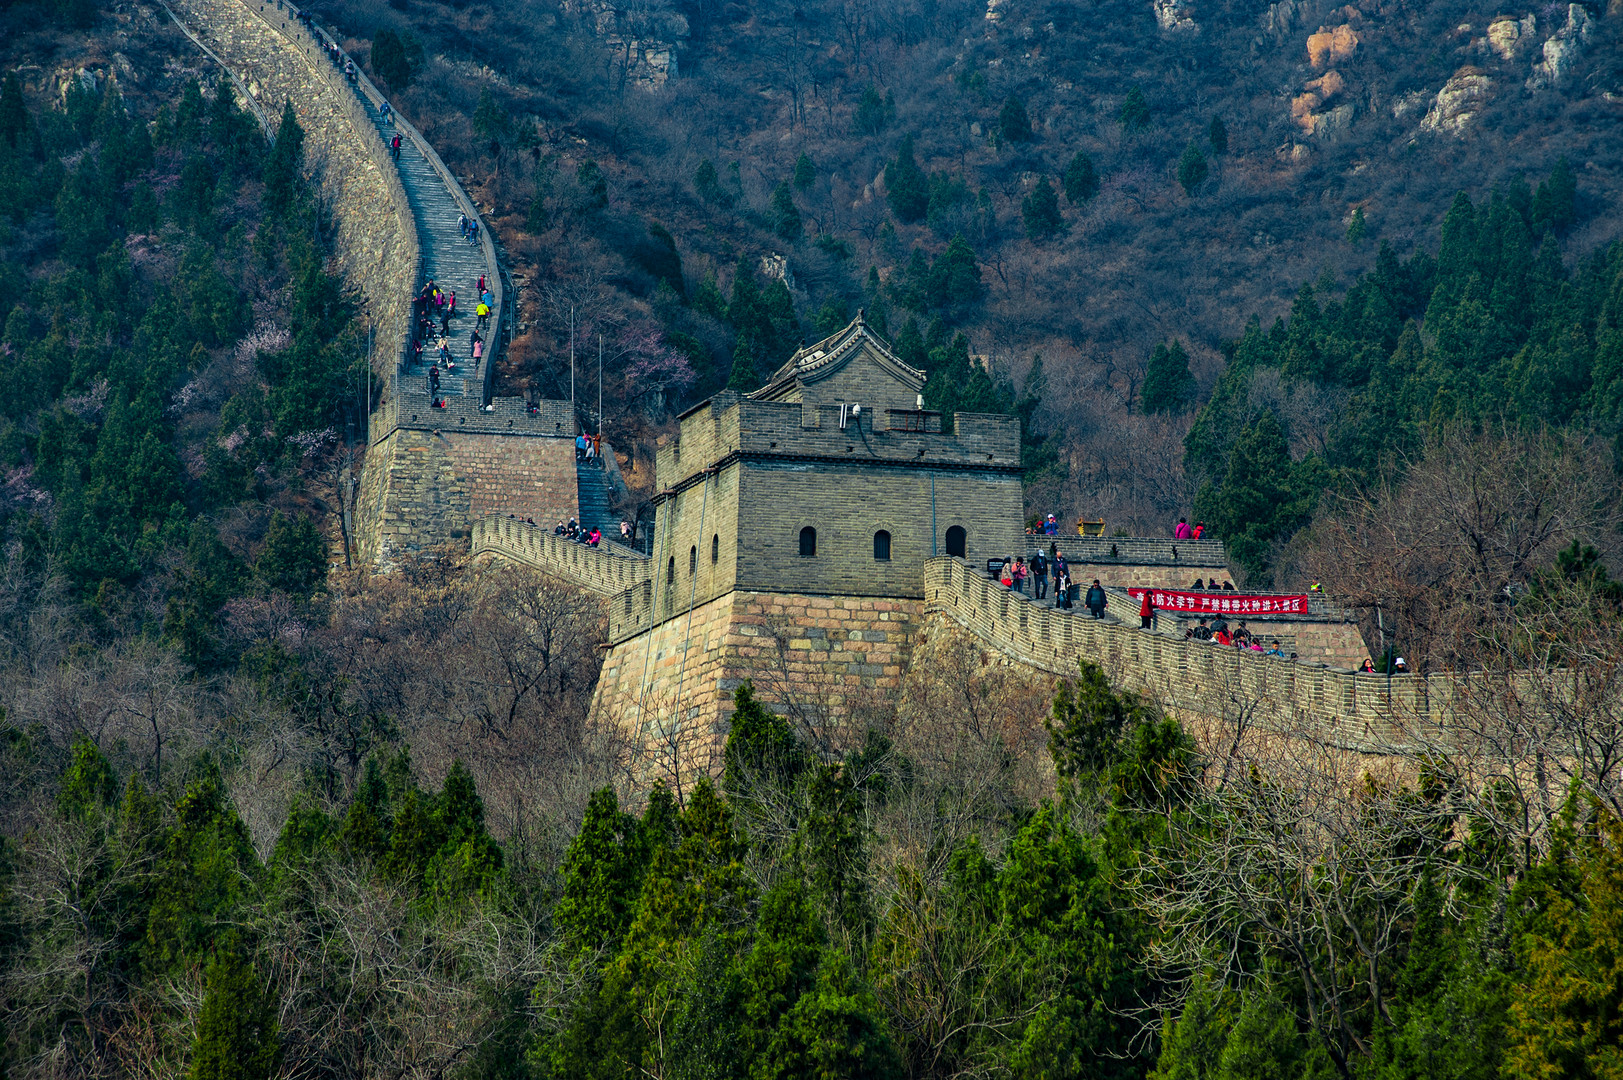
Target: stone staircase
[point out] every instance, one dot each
(449, 260)
(594, 498)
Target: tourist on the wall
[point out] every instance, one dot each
(1146, 612)
(1200, 530)
(1039, 575)
(1096, 600)
(1050, 526)
(433, 380)
(1183, 531)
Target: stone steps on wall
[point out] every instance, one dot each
(449, 260)
(593, 498)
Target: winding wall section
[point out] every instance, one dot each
(270, 55)
(430, 471)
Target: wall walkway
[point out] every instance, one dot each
(269, 55)
(1369, 713)
(608, 570)
(429, 472)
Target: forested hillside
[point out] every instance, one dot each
(1081, 183)
(263, 818)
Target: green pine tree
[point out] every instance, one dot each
(1081, 181)
(1555, 203)
(805, 172)
(490, 120)
(1039, 211)
(874, 112)
(1192, 168)
(593, 184)
(1134, 113)
(1218, 135)
(89, 787)
(390, 61)
(707, 184)
(907, 189)
(953, 281)
(742, 377)
(237, 1031)
(294, 558)
(1264, 497)
(833, 316)
(1012, 122)
(284, 162)
(1356, 228)
(1169, 386)
(13, 110)
(785, 215)
(761, 749)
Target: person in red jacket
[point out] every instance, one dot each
(1146, 613)
(1200, 530)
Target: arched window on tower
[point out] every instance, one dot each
(715, 549)
(955, 541)
(693, 559)
(808, 542)
(881, 546)
(670, 572)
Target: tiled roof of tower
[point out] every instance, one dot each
(823, 359)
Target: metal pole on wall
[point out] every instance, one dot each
(600, 387)
(571, 363)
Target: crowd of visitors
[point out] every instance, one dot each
(573, 531)
(432, 311)
(1211, 586)
(1218, 632)
(1183, 530)
(1039, 570)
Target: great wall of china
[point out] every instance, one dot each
(429, 472)
(438, 475)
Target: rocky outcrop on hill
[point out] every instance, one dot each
(1173, 15)
(1329, 45)
(1508, 35)
(1562, 50)
(1306, 111)
(1458, 102)
(644, 38)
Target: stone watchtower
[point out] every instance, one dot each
(796, 521)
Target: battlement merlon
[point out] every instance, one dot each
(729, 427)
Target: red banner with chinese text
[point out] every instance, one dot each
(1222, 603)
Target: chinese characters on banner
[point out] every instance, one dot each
(1206, 603)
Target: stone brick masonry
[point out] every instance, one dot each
(819, 656)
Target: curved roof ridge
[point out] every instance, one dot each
(811, 360)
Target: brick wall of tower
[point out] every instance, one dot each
(818, 656)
